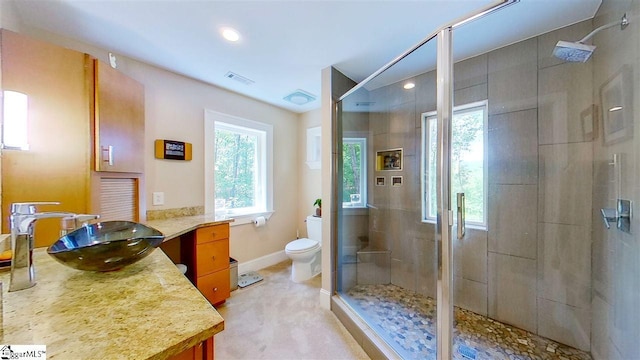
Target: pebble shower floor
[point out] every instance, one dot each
(407, 321)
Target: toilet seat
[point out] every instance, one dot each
(301, 246)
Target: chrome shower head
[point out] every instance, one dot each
(573, 51)
(579, 51)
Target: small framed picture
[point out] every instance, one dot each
(396, 181)
(379, 180)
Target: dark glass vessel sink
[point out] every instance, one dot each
(106, 246)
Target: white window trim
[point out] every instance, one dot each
(353, 136)
(425, 162)
(210, 118)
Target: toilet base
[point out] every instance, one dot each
(305, 270)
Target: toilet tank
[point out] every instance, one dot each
(314, 228)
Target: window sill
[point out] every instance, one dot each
(244, 219)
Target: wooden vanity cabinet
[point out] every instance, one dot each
(211, 258)
(202, 351)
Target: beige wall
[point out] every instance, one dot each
(310, 181)
(8, 17)
(175, 108)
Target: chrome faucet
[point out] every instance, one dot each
(75, 221)
(22, 219)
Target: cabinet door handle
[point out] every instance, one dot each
(213, 257)
(109, 152)
(215, 289)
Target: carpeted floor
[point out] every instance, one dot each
(279, 319)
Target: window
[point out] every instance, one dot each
(241, 153)
(314, 147)
(354, 150)
(468, 162)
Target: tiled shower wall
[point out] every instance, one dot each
(532, 267)
(615, 266)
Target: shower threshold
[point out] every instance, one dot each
(407, 322)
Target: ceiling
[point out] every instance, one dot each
(284, 45)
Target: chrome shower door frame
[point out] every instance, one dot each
(444, 108)
(444, 222)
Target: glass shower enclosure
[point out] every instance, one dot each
(538, 263)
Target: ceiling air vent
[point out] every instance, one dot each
(239, 78)
(300, 97)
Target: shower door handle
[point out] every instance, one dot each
(461, 215)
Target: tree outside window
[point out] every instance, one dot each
(238, 185)
(468, 161)
(354, 172)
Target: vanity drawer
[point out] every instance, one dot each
(215, 286)
(212, 256)
(212, 233)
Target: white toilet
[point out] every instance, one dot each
(305, 252)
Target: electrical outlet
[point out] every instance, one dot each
(158, 198)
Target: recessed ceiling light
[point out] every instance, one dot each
(409, 85)
(230, 34)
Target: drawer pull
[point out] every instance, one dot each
(215, 289)
(213, 257)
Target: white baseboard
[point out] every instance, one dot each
(325, 299)
(262, 262)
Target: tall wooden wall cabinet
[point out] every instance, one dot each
(77, 107)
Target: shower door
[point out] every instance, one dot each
(394, 254)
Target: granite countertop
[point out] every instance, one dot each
(171, 227)
(147, 310)
(174, 227)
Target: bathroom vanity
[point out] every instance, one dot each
(147, 310)
(201, 243)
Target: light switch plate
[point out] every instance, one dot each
(158, 198)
